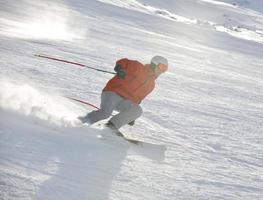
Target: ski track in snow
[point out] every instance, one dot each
(239, 30)
(207, 109)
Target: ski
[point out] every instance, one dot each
(146, 149)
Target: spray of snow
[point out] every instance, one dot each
(29, 101)
(44, 20)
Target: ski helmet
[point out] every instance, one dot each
(160, 62)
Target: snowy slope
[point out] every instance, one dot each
(207, 109)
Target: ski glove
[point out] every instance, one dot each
(120, 72)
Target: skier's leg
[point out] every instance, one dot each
(109, 101)
(129, 112)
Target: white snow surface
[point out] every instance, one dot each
(207, 109)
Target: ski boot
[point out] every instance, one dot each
(112, 127)
(84, 119)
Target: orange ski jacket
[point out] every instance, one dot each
(138, 82)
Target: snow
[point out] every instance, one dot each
(207, 109)
(38, 162)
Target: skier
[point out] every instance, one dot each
(125, 91)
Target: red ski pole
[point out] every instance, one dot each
(84, 102)
(73, 63)
(89, 104)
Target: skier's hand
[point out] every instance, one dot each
(120, 72)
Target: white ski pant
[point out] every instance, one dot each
(110, 101)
